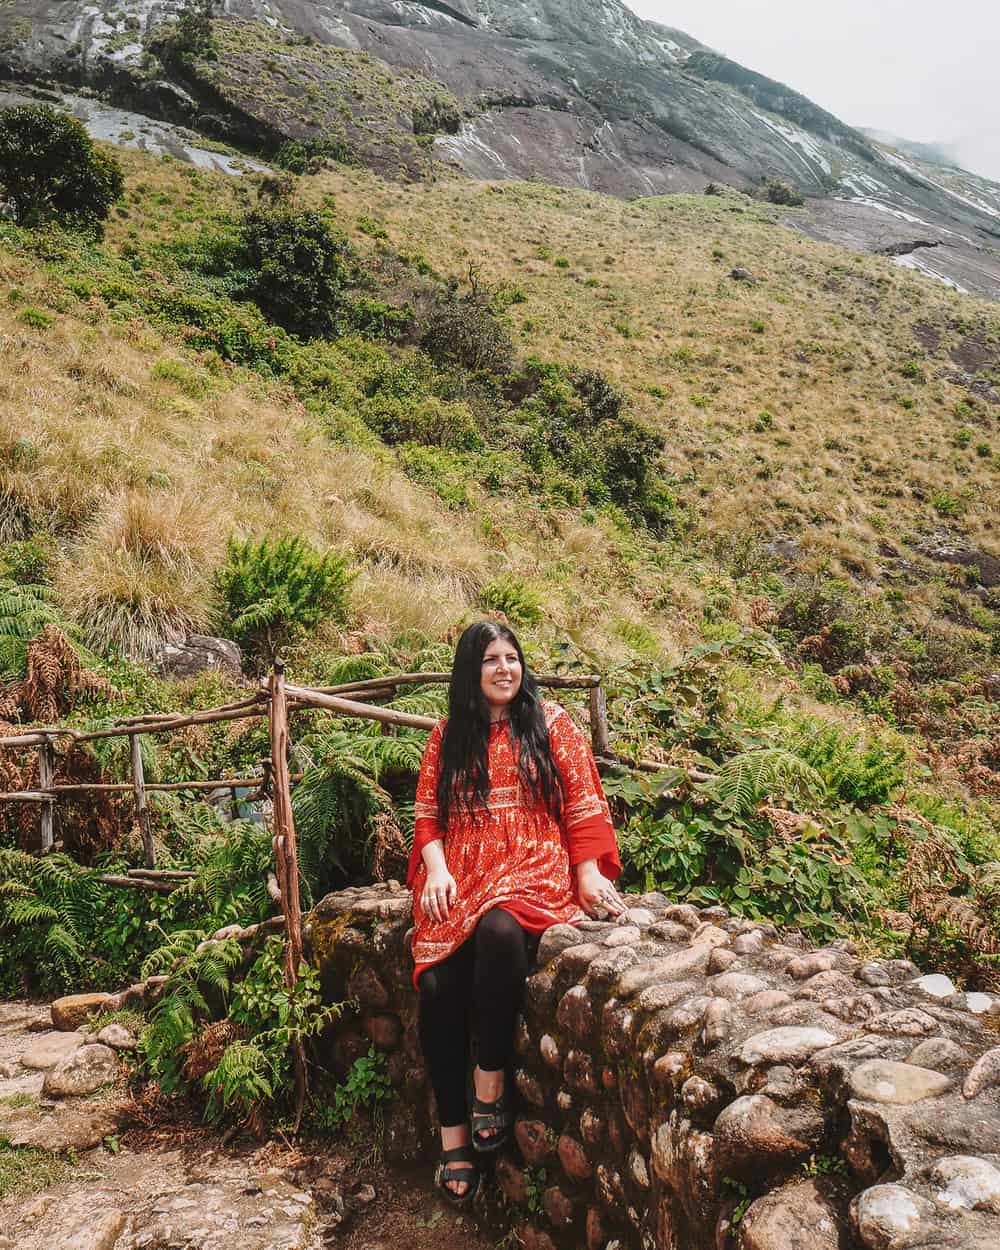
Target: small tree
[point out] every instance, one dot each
(52, 171)
(275, 592)
(299, 270)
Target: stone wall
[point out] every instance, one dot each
(694, 1081)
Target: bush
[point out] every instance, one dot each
(276, 592)
(299, 271)
(514, 598)
(52, 171)
(465, 330)
(777, 192)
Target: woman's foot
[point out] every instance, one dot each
(451, 1170)
(491, 1115)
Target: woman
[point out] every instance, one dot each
(512, 834)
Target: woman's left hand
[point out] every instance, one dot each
(597, 892)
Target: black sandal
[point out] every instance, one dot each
(447, 1172)
(491, 1115)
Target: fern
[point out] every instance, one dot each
(744, 781)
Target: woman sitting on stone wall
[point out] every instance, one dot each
(513, 834)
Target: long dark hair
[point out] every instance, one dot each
(464, 779)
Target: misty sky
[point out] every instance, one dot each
(925, 71)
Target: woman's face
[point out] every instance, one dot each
(501, 676)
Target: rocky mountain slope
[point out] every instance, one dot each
(575, 92)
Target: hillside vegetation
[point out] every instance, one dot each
(764, 504)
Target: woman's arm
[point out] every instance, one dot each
(596, 891)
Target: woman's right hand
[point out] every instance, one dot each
(440, 892)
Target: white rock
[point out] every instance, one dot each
(625, 935)
(82, 1072)
(640, 916)
(880, 1080)
(785, 1045)
(736, 985)
(889, 1216)
(936, 984)
(970, 1184)
(978, 1003)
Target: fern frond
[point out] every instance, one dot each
(744, 781)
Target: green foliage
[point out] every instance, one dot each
(27, 1169)
(862, 774)
(519, 602)
(749, 778)
(775, 191)
(464, 329)
(366, 1085)
(299, 270)
(51, 169)
(188, 39)
(276, 591)
(28, 563)
(24, 611)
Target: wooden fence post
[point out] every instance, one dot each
(286, 860)
(46, 772)
(600, 736)
(141, 809)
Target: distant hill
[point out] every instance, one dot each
(574, 92)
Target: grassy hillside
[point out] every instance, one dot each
(563, 407)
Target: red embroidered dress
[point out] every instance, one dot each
(515, 855)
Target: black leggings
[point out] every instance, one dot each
(486, 973)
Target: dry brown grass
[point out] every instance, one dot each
(144, 476)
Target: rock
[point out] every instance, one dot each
(50, 1049)
(935, 985)
(384, 1031)
(718, 1021)
(512, 1180)
(825, 984)
(117, 1037)
(642, 917)
(766, 1000)
(658, 997)
(627, 935)
(668, 931)
(558, 1206)
(604, 971)
(806, 966)
(82, 1072)
(880, 1080)
(576, 1012)
(669, 1068)
(573, 1158)
(799, 1216)
(785, 1045)
(555, 940)
(549, 1050)
(874, 974)
(940, 1054)
(529, 1087)
(722, 960)
(596, 1231)
(985, 1072)
(671, 968)
(71, 1126)
(736, 985)
(968, 1184)
(533, 1140)
(685, 914)
(749, 943)
(366, 987)
(591, 1127)
(700, 1096)
(754, 1136)
(638, 1168)
(710, 935)
(578, 1072)
(889, 1217)
(198, 653)
(683, 1158)
(978, 1004)
(70, 1012)
(530, 1237)
(742, 275)
(911, 1022)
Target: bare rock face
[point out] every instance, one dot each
(199, 653)
(70, 1012)
(82, 1072)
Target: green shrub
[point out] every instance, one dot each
(51, 169)
(299, 271)
(29, 562)
(514, 598)
(274, 592)
(36, 318)
(777, 192)
(465, 330)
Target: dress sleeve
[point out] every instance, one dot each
(426, 827)
(586, 821)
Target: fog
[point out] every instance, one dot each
(923, 72)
